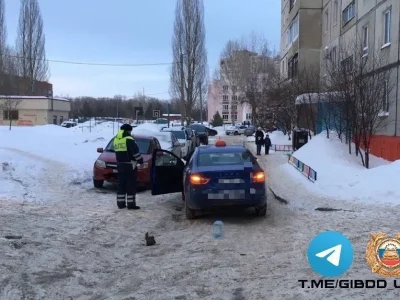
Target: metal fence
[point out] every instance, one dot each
(307, 171)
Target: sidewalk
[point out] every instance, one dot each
(290, 186)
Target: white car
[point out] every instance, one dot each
(184, 139)
(68, 124)
(235, 130)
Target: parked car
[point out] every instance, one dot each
(170, 141)
(201, 131)
(211, 132)
(193, 138)
(235, 130)
(68, 124)
(105, 167)
(197, 137)
(249, 131)
(184, 139)
(208, 175)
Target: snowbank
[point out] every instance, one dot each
(23, 150)
(342, 176)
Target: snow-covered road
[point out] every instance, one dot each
(78, 245)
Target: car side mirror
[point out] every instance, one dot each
(100, 150)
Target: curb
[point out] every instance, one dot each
(280, 199)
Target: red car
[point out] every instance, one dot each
(105, 167)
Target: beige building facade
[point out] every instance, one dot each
(373, 26)
(300, 36)
(35, 110)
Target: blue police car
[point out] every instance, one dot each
(215, 176)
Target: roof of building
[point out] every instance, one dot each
(33, 97)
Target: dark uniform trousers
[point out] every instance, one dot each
(126, 185)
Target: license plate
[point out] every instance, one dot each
(115, 171)
(227, 195)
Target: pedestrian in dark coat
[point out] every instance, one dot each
(267, 144)
(259, 140)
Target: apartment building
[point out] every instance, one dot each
(223, 97)
(374, 26)
(301, 29)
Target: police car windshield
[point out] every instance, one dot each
(179, 134)
(144, 146)
(221, 158)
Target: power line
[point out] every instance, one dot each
(88, 63)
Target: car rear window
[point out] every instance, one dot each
(223, 158)
(198, 128)
(143, 144)
(179, 134)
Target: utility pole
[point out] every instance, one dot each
(182, 91)
(168, 114)
(201, 104)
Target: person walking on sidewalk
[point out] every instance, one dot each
(128, 157)
(259, 140)
(267, 144)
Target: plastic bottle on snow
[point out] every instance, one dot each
(218, 229)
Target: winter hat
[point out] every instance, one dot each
(259, 128)
(126, 127)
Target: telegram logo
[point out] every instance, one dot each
(330, 254)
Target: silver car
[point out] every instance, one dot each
(235, 130)
(249, 131)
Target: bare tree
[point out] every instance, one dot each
(189, 56)
(3, 35)
(365, 84)
(9, 107)
(248, 66)
(30, 43)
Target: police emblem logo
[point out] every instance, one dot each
(383, 254)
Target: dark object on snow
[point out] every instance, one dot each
(150, 240)
(13, 237)
(299, 138)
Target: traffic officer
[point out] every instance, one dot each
(128, 157)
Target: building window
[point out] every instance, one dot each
(293, 66)
(225, 88)
(385, 102)
(365, 40)
(335, 11)
(326, 21)
(387, 27)
(349, 13)
(347, 64)
(234, 117)
(225, 107)
(225, 117)
(248, 116)
(234, 89)
(234, 98)
(225, 98)
(293, 30)
(234, 107)
(333, 57)
(10, 115)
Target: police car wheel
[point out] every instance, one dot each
(98, 183)
(261, 211)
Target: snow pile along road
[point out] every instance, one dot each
(342, 176)
(30, 154)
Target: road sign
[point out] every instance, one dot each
(156, 113)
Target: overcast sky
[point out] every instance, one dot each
(133, 32)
